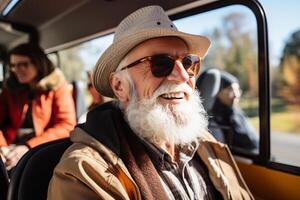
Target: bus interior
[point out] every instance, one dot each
(247, 41)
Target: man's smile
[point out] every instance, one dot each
(173, 95)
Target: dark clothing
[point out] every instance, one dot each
(26, 131)
(231, 125)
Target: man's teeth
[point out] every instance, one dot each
(173, 95)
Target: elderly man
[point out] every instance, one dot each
(153, 142)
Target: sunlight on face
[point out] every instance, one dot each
(162, 109)
(230, 95)
(146, 83)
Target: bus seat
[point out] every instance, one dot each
(32, 174)
(208, 84)
(3, 181)
(79, 100)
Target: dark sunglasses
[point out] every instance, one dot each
(163, 64)
(15, 66)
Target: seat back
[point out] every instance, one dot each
(208, 84)
(32, 174)
(3, 181)
(79, 100)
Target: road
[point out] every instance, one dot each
(285, 148)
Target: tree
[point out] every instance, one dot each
(241, 57)
(234, 50)
(217, 51)
(290, 69)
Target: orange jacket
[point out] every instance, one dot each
(53, 111)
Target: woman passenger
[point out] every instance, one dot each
(36, 104)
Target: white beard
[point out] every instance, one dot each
(176, 124)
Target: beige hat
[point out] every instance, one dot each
(144, 24)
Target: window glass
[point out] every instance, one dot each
(233, 33)
(54, 59)
(76, 61)
(1, 71)
(284, 48)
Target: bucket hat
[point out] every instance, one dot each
(144, 24)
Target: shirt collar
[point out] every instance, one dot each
(159, 156)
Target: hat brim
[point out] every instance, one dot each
(113, 55)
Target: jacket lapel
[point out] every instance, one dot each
(223, 170)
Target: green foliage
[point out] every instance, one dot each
(282, 122)
(283, 119)
(235, 51)
(290, 70)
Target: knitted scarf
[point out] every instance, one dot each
(139, 164)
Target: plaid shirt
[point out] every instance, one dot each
(188, 178)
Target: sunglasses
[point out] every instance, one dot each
(16, 66)
(163, 64)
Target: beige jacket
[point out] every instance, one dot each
(90, 170)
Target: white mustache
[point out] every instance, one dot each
(172, 88)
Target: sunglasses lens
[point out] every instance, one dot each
(162, 65)
(191, 63)
(19, 65)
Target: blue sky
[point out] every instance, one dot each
(283, 18)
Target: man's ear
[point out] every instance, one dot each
(120, 87)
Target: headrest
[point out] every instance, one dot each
(208, 85)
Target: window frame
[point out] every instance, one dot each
(264, 156)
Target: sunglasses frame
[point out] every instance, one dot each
(149, 58)
(23, 64)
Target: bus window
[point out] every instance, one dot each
(77, 60)
(54, 58)
(233, 33)
(1, 72)
(284, 48)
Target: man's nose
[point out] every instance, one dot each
(178, 74)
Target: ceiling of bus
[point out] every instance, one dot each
(9, 36)
(63, 21)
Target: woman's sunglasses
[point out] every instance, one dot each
(163, 64)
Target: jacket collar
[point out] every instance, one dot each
(102, 120)
(101, 126)
(52, 81)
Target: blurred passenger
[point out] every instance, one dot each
(36, 104)
(97, 98)
(228, 123)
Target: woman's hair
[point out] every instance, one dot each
(37, 56)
